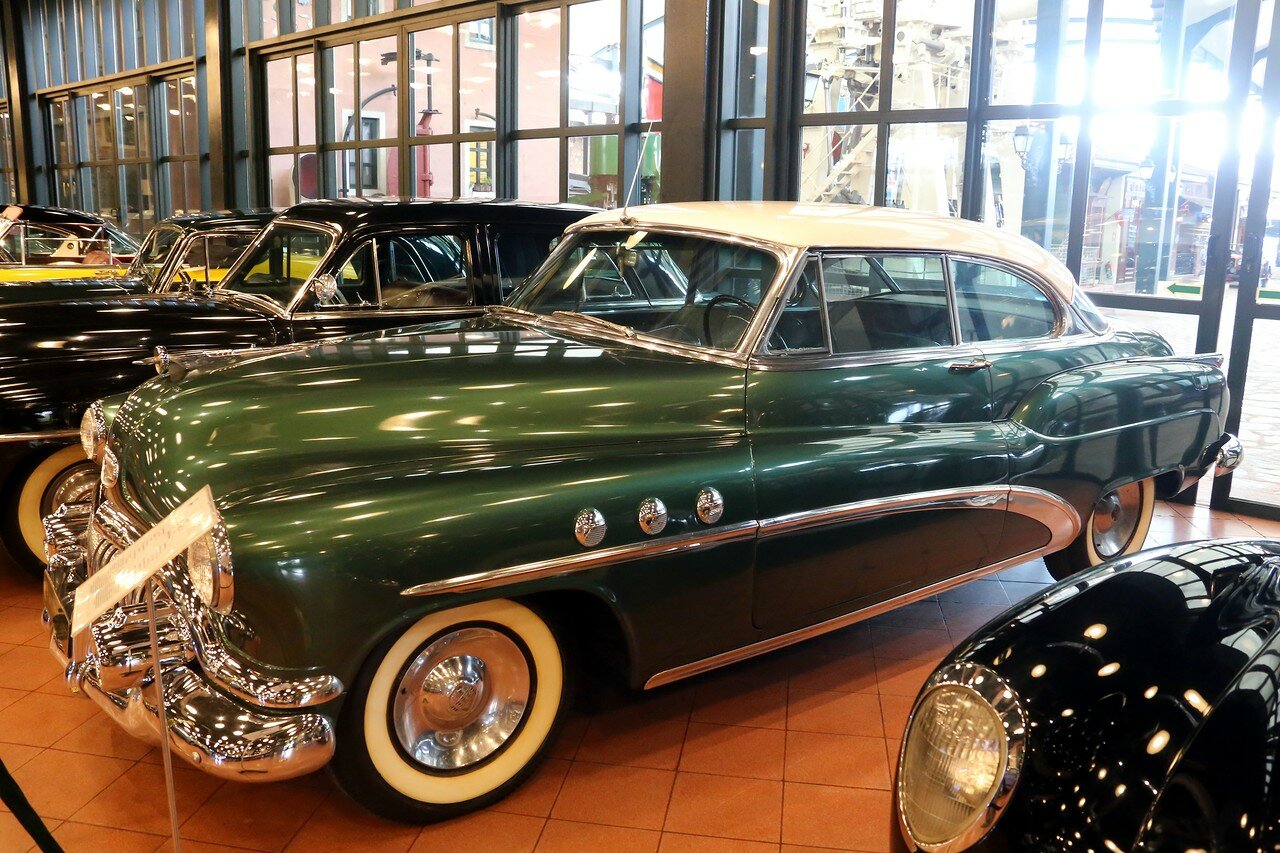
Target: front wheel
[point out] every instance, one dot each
(1117, 525)
(43, 484)
(453, 714)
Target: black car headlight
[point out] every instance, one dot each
(960, 758)
(93, 431)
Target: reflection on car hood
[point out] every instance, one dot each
(406, 397)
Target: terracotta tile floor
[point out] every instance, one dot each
(792, 751)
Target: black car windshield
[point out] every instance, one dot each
(693, 290)
(153, 254)
(285, 259)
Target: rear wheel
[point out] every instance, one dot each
(45, 483)
(1117, 525)
(453, 714)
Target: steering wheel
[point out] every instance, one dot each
(706, 313)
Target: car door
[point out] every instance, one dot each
(878, 467)
(395, 279)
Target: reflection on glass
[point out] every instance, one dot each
(478, 165)
(751, 54)
(106, 187)
(304, 15)
(306, 101)
(747, 157)
(538, 168)
(378, 80)
(378, 170)
(139, 200)
(282, 174)
(649, 188)
(431, 81)
(340, 93)
(652, 49)
(61, 129)
(103, 136)
(838, 164)
(842, 56)
(1163, 51)
(1151, 187)
(279, 97)
(432, 171)
(593, 171)
(931, 54)
(538, 69)
(477, 73)
(131, 121)
(1038, 52)
(1027, 167)
(925, 166)
(1258, 477)
(595, 85)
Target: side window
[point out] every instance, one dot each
(996, 305)
(799, 327)
(424, 271)
(519, 253)
(209, 257)
(357, 281)
(886, 302)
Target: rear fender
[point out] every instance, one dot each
(1086, 431)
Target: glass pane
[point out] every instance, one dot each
(193, 192)
(1258, 477)
(878, 303)
(838, 164)
(139, 199)
(747, 160)
(379, 171)
(424, 271)
(103, 137)
(593, 171)
(62, 131)
(107, 187)
(595, 85)
(652, 51)
(995, 305)
(68, 189)
(650, 186)
(281, 263)
(1028, 168)
(171, 176)
(478, 68)
(931, 54)
(1151, 187)
(432, 171)
(1159, 52)
(750, 53)
(538, 69)
(282, 173)
(1039, 52)
(281, 106)
(538, 169)
(842, 56)
(431, 81)
(304, 15)
(378, 79)
(477, 164)
(925, 166)
(340, 97)
(306, 100)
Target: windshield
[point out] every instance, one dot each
(154, 252)
(692, 290)
(282, 262)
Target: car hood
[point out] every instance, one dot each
(1119, 668)
(358, 408)
(55, 357)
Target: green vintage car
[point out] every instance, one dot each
(696, 434)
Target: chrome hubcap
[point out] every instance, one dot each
(1115, 520)
(461, 698)
(72, 486)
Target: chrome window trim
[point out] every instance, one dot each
(267, 230)
(179, 251)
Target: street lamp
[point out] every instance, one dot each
(1146, 169)
(811, 82)
(1022, 143)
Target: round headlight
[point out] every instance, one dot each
(960, 758)
(209, 567)
(93, 431)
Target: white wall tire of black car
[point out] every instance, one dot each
(454, 713)
(1117, 526)
(41, 485)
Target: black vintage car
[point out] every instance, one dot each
(320, 270)
(1134, 707)
(39, 243)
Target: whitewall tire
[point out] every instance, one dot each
(63, 476)
(1116, 527)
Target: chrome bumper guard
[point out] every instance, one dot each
(1229, 455)
(224, 735)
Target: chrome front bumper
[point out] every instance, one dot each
(222, 734)
(1229, 455)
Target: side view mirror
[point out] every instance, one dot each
(325, 287)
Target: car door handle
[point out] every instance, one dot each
(975, 363)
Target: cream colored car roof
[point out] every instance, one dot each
(853, 226)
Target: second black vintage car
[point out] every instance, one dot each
(320, 270)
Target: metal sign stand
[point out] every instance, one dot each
(165, 751)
